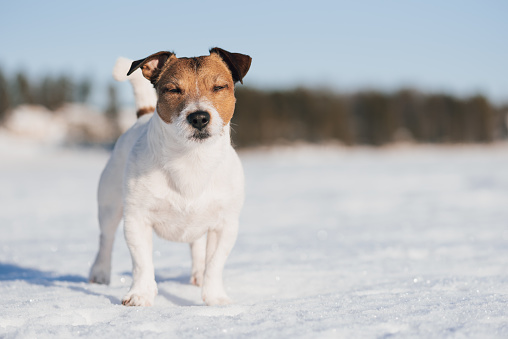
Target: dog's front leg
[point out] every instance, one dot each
(219, 245)
(139, 240)
(198, 252)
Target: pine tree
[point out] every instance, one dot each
(4, 96)
(83, 90)
(24, 90)
(112, 110)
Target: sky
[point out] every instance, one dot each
(460, 47)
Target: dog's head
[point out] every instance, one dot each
(195, 95)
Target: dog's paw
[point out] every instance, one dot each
(100, 274)
(216, 299)
(196, 278)
(140, 296)
(137, 300)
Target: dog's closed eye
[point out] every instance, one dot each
(219, 88)
(174, 90)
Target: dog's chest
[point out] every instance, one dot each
(182, 213)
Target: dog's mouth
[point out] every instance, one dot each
(200, 135)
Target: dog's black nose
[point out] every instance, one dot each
(199, 119)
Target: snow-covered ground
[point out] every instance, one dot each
(334, 242)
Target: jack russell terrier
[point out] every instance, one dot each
(175, 172)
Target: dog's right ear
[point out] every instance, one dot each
(151, 66)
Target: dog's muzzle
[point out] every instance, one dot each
(199, 119)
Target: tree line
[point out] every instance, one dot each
(51, 92)
(268, 117)
(364, 118)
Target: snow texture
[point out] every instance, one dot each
(334, 243)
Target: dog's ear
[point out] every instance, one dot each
(238, 64)
(151, 66)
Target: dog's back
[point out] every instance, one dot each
(111, 180)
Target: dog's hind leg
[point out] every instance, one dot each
(110, 214)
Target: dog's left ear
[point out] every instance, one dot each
(238, 64)
(151, 66)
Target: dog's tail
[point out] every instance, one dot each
(144, 92)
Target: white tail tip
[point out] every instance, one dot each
(121, 68)
(144, 93)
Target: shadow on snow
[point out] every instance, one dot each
(11, 272)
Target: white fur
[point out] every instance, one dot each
(122, 66)
(159, 179)
(144, 92)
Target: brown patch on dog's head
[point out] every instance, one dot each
(180, 82)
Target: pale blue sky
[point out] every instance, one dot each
(457, 46)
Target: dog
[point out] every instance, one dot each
(175, 172)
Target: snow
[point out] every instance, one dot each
(71, 124)
(406, 241)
